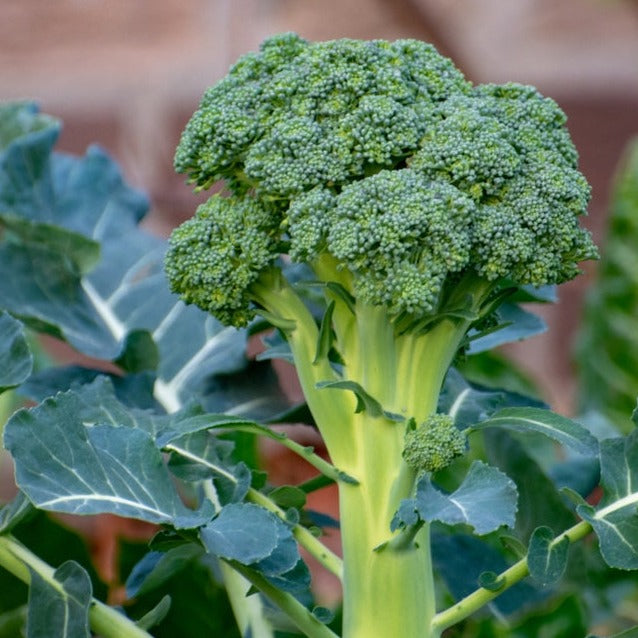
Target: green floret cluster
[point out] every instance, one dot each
(215, 257)
(398, 231)
(297, 115)
(382, 157)
(434, 444)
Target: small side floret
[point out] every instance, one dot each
(432, 445)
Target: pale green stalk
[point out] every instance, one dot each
(330, 407)
(388, 587)
(385, 589)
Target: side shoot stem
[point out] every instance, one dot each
(480, 597)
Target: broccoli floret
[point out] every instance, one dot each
(432, 445)
(399, 234)
(215, 257)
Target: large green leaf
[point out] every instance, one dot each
(60, 607)
(460, 559)
(202, 455)
(468, 403)
(539, 503)
(156, 568)
(14, 512)
(96, 310)
(79, 251)
(615, 519)
(607, 352)
(79, 195)
(15, 357)
(486, 500)
(199, 604)
(82, 459)
(95, 401)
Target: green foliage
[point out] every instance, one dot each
(547, 559)
(486, 500)
(531, 419)
(16, 361)
(614, 520)
(66, 599)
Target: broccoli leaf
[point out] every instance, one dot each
(514, 324)
(201, 455)
(53, 288)
(60, 607)
(460, 559)
(252, 536)
(465, 403)
(546, 559)
(15, 358)
(545, 422)
(486, 500)
(82, 459)
(615, 520)
(135, 390)
(14, 512)
(156, 568)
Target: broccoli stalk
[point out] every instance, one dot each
(417, 202)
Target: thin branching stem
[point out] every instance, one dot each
(300, 615)
(514, 574)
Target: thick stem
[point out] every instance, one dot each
(390, 590)
(387, 592)
(388, 587)
(422, 363)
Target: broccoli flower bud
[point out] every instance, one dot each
(434, 444)
(215, 257)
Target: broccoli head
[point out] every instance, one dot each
(381, 158)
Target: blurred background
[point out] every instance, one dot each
(127, 74)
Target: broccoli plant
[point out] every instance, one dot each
(377, 222)
(418, 203)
